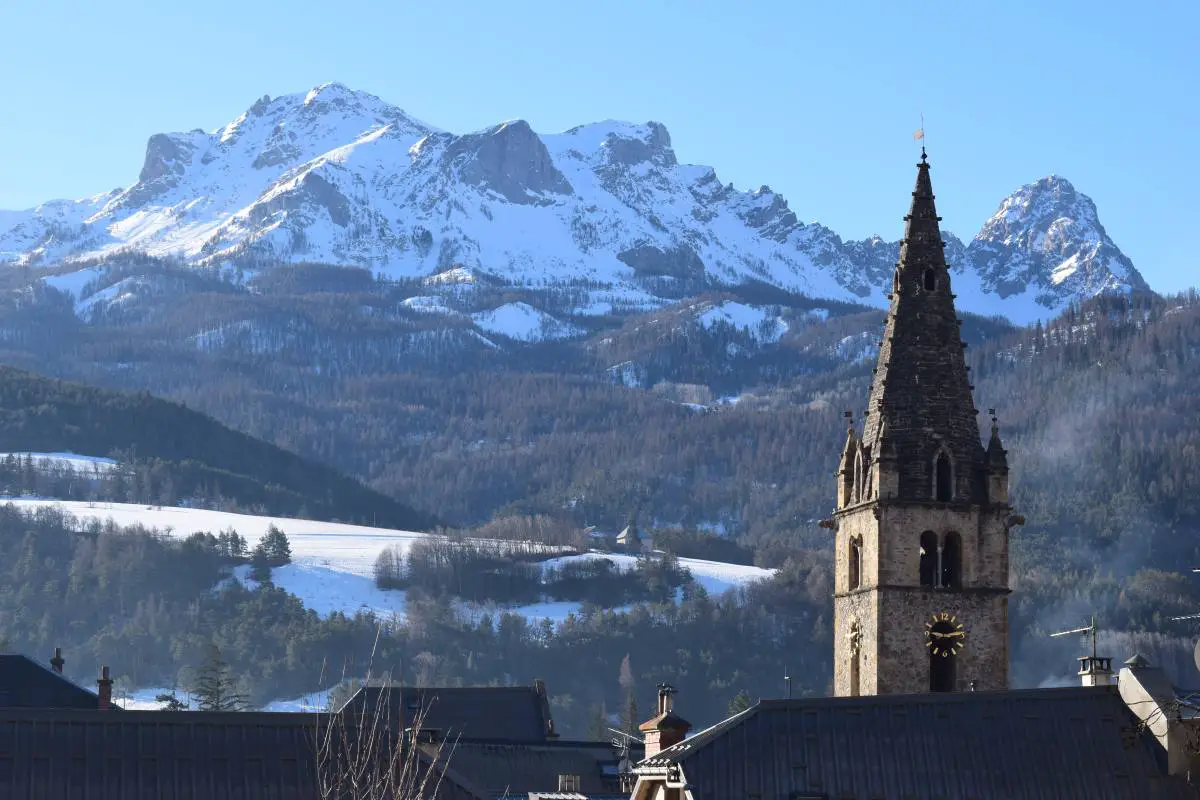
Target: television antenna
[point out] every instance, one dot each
(623, 740)
(1187, 617)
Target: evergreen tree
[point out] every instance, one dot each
(216, 689)
(598, 725)
(277, 547)
(629, 719)
(740, 702)
(170, 702)
(260, 564)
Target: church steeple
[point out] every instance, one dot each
(921, 395)
(922, 515)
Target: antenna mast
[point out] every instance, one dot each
(1089, 630)
(1187, 617)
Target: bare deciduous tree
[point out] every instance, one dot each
(362, 753)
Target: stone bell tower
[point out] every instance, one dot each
(922, 515)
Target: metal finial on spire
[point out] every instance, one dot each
(919, 136)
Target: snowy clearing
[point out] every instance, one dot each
(338, 547)
(523, 322)
(757, 322)
(79, 463)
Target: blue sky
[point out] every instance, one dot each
(817, 100)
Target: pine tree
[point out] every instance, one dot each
(629, 720)
(260, 564)
(216, 689)
(740, 702)
(170, 702)
(598, 725)
(278, 549)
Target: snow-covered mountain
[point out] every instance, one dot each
(340, 176)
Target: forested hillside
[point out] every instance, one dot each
(695, 427)
(172, 454)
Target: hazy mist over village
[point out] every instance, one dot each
(662, 401)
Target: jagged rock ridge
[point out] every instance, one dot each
(340, 176)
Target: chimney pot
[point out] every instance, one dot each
(104, 686)
(57, 662)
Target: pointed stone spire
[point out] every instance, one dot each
(845, 471)
(921, 406)
(997, 456)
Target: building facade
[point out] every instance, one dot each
(922, 514)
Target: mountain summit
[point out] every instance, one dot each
(339, 176)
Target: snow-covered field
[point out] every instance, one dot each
(47, 461)
(332, 567)
(715, 576)
(333, 563)
(144, 700)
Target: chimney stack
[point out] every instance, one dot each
(57, 662)
(104, 685)
(1095, 671)
(667, 728)
(664, 698)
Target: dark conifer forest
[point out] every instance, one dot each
(722, 444)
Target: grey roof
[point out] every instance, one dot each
(506, 768)
(510, 713)
(167, 755)
(1055, 744)
(25, 683)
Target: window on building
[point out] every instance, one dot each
(952, 562)
(929, 556)
(930, 280)
(943, 479)
(855, 563)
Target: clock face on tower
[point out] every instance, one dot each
(944, 634)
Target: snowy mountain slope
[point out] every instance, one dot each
(340, 176)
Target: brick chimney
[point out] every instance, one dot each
(104, 685)
(57, 662)
(666, 728)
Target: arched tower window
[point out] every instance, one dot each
(943, 478)
(952, 562)
(858, 476)
(867, 485)
(855, 563)
(929, 556)
(896, 280)
(930, 280)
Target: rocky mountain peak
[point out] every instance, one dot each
(509, 159)
(1046, 242)
(340, 176)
